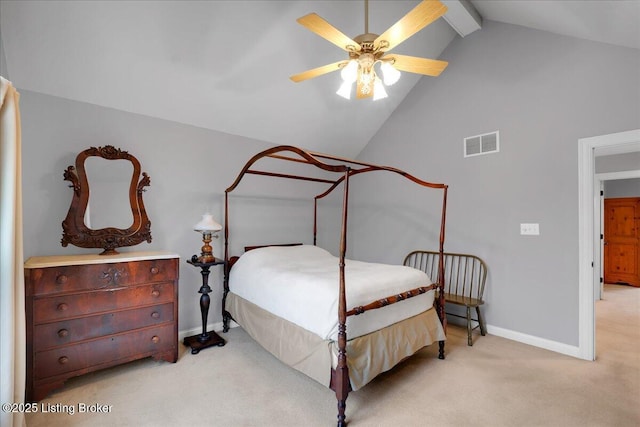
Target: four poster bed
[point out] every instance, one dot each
(292, 299)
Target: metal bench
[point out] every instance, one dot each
(465, 277)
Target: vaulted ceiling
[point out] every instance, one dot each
(225, 65)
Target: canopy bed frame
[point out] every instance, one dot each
(345, 169)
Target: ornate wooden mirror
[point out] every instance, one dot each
(105, 203)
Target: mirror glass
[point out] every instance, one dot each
(109, 182)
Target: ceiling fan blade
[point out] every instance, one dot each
(309, 74)
(421, 16)
(318, 25)
(413, 64)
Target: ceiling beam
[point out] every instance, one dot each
(462, 16)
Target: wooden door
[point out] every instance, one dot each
(622, 240)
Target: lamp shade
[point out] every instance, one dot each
(390, 74)
(207, 224)
(345, 90)
(349, 72)
(378, 90)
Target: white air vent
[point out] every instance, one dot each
(482, 144)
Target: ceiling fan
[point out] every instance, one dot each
(368, 49)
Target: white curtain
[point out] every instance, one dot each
(12, 318)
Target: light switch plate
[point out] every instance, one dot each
(530, 229)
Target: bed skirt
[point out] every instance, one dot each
(367, 356)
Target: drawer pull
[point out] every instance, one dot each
(155, 339)
(63, 333)
(61, 279)
(155, 314)
(154, 270)
(62, 306)
(63, 360)
(155, 293)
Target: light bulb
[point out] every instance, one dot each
(389, 73)
(349, 72)
(378, 90)
(345, 90)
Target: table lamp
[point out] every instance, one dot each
(207, 226)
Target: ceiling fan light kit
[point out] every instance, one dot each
(368, 49)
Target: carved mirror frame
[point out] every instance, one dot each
(74, 229)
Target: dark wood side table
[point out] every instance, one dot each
(205, 339)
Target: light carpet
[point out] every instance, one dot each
(497, 382)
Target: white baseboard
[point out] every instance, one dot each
(210, 327)
(558, 347)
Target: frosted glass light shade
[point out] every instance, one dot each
(390, 74)
(345, 90)
(349, 72)
(378, 90)
(207, 224)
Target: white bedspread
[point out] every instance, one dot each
(301, 285)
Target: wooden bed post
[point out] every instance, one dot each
(226, 317)
(342, 385)
(315, 219)
(441, 300)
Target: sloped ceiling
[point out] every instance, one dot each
(610, 21)
(225, 65)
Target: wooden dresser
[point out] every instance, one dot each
(89, 312)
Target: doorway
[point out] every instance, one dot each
(598, 232)
(589, 269)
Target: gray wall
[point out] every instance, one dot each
(622, 188)
(542, 92)
(3, 61)
(618, 162)
(189, 169)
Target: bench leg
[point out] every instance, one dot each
(469, 340)
(483, 325)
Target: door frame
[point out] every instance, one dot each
(588, 246)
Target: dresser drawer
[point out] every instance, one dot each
(104, 350)
(73, 305)
(72, 278)
(50, 335)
